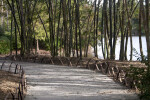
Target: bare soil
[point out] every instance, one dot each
(8, 83)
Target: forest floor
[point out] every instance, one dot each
(8, 83)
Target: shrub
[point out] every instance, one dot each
(4, 45)
(142, 78)
(1, 31)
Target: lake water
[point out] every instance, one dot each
(135, 40)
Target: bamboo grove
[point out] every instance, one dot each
(70, 27)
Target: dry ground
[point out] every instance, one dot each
(8, 83)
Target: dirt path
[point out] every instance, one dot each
(51, 82)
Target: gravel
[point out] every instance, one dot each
(52, 82)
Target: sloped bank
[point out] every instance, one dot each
(13, 81)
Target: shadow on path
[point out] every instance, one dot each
(51, 82)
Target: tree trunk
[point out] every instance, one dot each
(58, 27)
(111, 33)
(102, 33)
(70, 26)
(7, 18)
(122, 17)
(16, 47)
(148, 33)
(76, 27)
(2, 16)
(126, 44)
(65, 27)
(23, 31)
(11, 34)
(78, 18)
(95, 28)
(140, 31)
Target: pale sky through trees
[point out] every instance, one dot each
(97, 1)
(94, 0)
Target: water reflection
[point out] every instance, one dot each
(135, 45)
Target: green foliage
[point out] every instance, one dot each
(47, 44)
(142, 77)
(4, 42)
(145, 87)
(4, 45)
(145, 81)
(1, 31)
(14, 44)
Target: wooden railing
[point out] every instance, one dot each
(20, 90)
(108, 67)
